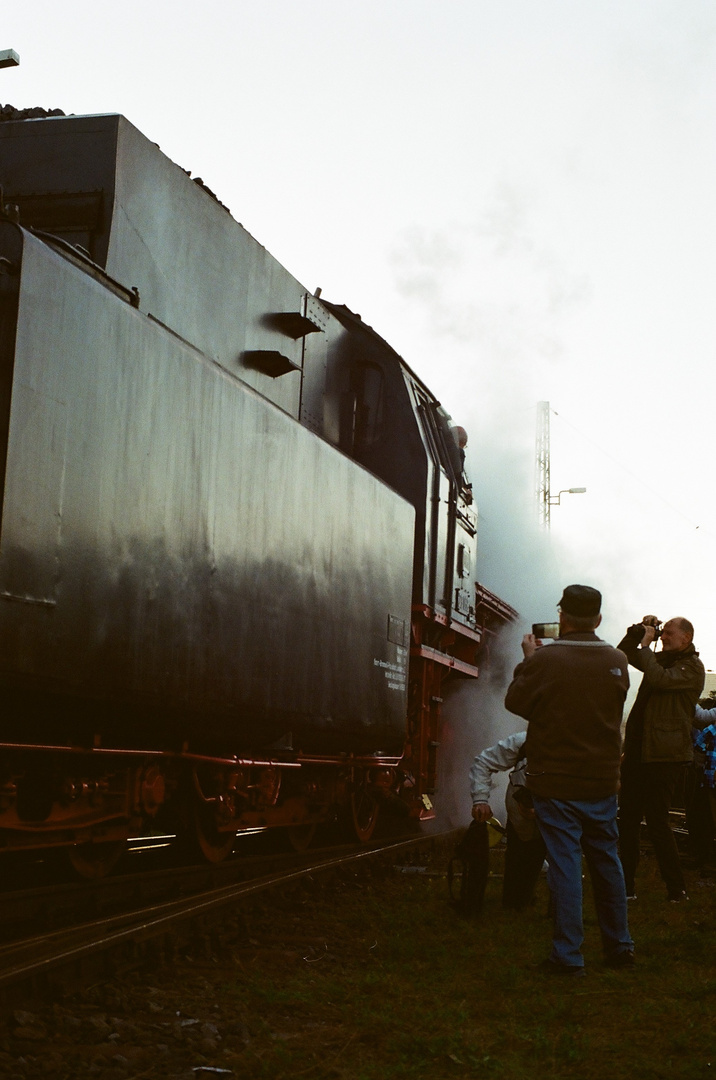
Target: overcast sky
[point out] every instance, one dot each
(517, 194)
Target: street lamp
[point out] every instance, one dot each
(9, 58)
(554, 499)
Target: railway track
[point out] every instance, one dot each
(57, 939)
(57, 902)
(75, 956)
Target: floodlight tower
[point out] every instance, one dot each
(543, 495)
(542, 465)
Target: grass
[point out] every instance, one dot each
(379, 979)
(395, 985)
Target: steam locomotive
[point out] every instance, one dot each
(236, 540)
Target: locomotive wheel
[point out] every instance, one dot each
(201, 838)
(300, 836)
(365, 811)
(212, 845)
(96, 860)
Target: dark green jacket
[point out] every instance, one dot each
(663, 712)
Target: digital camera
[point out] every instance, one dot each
(546, 630)
(651, 620)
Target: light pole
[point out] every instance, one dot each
(554, 499)
(9, 58)
(542, 468)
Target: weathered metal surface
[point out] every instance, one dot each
(359, 394)
(151, 226)
(178, 556)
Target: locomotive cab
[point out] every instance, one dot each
(361, 395)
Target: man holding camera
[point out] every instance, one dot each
(657, 743)
(572, 693)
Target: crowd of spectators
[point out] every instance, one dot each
(578, 789)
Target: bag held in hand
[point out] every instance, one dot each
(471, 860)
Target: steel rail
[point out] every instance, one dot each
(159, 920)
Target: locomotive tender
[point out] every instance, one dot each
(236, 540)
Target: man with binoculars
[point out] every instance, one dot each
(657, 743)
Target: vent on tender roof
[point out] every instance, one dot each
(292, 324)
(270, 361)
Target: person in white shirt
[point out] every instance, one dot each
(525, 852)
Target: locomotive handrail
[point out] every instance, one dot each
(349, 759)
(449, 623)
(117, 751)
(445, 659)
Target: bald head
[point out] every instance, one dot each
(677, 635)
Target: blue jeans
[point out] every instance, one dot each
(568, 828)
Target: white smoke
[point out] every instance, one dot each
(491, 296)
(474, 717)
(516, 562)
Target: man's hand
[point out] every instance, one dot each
(481, 811)
(530, 645)
(650, 622)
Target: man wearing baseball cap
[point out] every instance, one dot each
(572, 694)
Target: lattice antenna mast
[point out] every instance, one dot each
(542, 495)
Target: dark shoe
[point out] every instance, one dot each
(676, 898)
(552, 967)
(620, 960)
